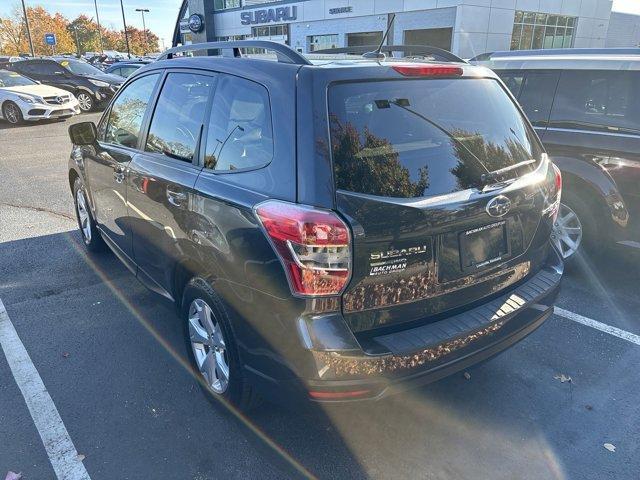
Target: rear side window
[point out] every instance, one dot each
(536, 96)
(240, 133)
(598, 100)
(127, 112)
(177, 119)
(414, 138)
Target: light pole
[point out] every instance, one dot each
(26, 20)
(75, 31)
(95, 2)
(144, 28)
(124, 21)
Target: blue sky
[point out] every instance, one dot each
(162, 17)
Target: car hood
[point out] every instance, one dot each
(38, 90)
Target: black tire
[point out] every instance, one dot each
(94, 241)
(239, 393)
(593, 242)
(87, 100)
(12, 113)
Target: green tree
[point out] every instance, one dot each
(371, 165)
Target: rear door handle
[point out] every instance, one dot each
(176, 198)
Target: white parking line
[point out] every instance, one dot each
(57, 443)
(603, 327)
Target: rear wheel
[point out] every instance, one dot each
(85, 101)
(212, 346)
(575, 230)
(12, 113)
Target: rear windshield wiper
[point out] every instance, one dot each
(497, 176)
(402, 105)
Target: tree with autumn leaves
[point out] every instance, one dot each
(14, 40)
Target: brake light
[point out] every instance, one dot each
(558, 180)
(554, 196)
(313, 245)
(428, 70)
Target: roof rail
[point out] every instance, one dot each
(549, 52)
(438, 53)
(284, 53)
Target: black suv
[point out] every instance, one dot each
(92, 88)
(336, 229)
(585, 106)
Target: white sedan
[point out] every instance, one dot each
(23, 99)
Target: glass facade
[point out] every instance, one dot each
(270, 31)
(321, 42)
(532, 31)
(225, 4)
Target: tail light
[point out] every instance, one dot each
(313, 245)
(554, 196)
(422, 70)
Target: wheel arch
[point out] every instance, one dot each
(588, 181)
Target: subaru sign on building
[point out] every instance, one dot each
(466, 27)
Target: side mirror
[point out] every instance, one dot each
(83, 133)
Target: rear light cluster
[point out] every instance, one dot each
(313, 245)
(428, 70)
(555, 196)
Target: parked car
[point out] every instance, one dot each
(91, 87)
(585, 106)
(125, 69)
(23, 99)
(328, 231)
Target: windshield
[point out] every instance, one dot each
(13, 79)
(80, 68)
(414, 138)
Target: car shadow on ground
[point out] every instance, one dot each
(505, 417)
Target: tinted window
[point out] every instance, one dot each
(598, 100)
(240, 134)
(126, 71)
(536, 95)
(424, 137)
(127, 112)
(513, 81)
(44, 68)
(179, 114)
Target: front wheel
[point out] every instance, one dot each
(88, 229)
(85, 101)
(12, 113)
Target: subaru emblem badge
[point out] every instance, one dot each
(498, 206)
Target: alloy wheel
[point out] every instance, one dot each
(11, 113)
(208, 344)
(567, 232)
(85, 101)
(83, 215)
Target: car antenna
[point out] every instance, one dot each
(377, 53)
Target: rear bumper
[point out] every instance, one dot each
(430, 352)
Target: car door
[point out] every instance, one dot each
(162, 177)
(596, 117)
(107, 167)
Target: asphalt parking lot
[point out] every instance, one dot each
(110, 355)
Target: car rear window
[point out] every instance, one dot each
(414, 138)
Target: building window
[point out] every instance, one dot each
(270, 31)
(533, 30)
(364, 39)
(225, 4)
(321, 42)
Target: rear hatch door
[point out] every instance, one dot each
(440, 179)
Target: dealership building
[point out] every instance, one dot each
(466, 27)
